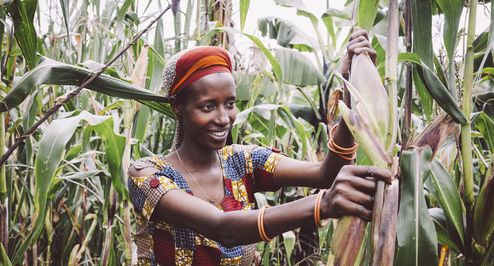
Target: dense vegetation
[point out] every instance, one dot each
(63, 198)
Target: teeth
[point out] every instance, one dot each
(218, 133)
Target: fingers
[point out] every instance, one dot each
(359, 43)
(354, 209)
(372, 171)
(361, 199)
(357, 31)
(366, 185)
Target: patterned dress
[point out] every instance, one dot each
(246, 169)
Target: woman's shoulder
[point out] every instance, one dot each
(246, 149)
(147, 165)
(235, 148)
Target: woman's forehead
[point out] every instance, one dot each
(216, 84)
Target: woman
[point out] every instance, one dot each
(195, 205)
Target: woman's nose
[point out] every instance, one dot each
(222, 117)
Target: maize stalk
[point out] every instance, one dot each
(369, 124)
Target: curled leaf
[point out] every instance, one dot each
(437, 132)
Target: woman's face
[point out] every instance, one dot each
(209, 110)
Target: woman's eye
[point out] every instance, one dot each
(230, 104)
(207, 107)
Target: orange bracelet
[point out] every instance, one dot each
(340, 151)
(260, 224)
(342, 155)
(339, 148)
(317, 209)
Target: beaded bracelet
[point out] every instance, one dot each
(260, 224)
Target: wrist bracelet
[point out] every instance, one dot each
(317, 209)
(344, 153)
(260, 224)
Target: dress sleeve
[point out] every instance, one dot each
(264, 161)
(146, 191)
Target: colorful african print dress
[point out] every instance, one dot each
(246, 169)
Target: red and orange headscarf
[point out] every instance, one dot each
(192, 64)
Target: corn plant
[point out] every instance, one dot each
(62, 191)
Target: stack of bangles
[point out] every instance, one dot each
(260, 224)
(317, 217)
(317, 209)
(348, 154)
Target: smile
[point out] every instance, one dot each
(218, 133)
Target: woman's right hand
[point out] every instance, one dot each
(352, 192)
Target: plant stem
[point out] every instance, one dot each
(127, 232)
(4, 217)
(405, 133)
(391, 64)
(3, 182)
(466, 134)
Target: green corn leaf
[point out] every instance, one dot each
(65, 12)
(300, 133)
(489, 256)
(4, 257)
(119, 22)
(425, 97)
(50, 152)
(422, 33)
(435, 87)
(417, 240)
(485, 125)
(441, 226)
(22, 14)
(244, 9)
(114, 149)
(328, 21)
(286, 34)
(422, 45)
(53, 72)
(489, 46)
(367, 12)
(298, 129)
(277, 70)
(449, 200)
(333, 12)
(452, 13)
(249, 86)
(289, 241)
(483, 216)
(298, 69)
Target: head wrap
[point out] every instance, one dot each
(192, 64)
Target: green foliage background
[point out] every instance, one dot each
(63, 198)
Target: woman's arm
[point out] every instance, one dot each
(291, 172)
(349, 195)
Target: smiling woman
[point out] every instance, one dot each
(195, 206)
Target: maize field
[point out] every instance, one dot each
(81, 98)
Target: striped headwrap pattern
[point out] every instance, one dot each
(189, 65)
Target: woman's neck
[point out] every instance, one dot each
(197, 155)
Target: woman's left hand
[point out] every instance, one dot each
(358, 43)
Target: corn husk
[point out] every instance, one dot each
(437, 132)
(368, 121)
(369, 97)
